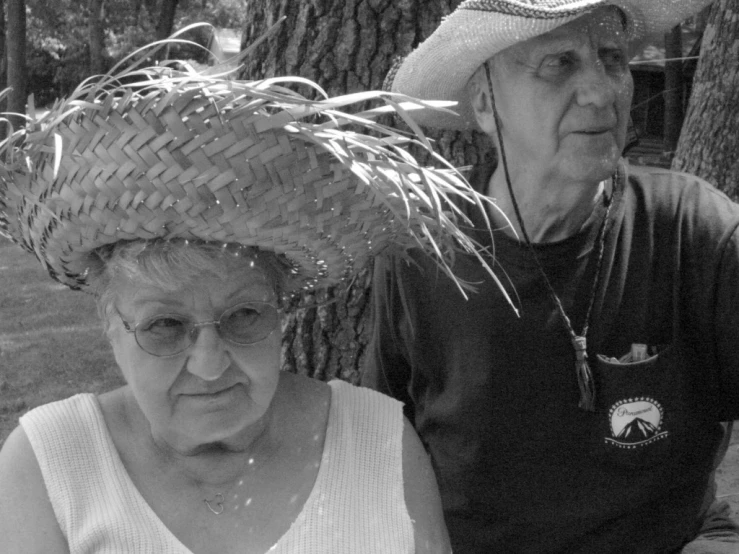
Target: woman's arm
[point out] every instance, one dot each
(422, 496)
(27, 521)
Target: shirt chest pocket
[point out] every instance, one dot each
(643, 414)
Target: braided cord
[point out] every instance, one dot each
(585, 379)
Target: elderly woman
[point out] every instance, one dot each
(191, 207)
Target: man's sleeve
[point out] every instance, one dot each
(387, 367)
(719, 533)
(727, 329)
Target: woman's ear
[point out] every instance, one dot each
(479, 96)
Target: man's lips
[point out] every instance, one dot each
(594, 130)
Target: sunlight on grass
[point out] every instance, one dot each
(51, 342)
(10, 342)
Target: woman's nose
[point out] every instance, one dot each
(208, 357)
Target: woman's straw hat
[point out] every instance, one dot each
(164, 153)
(441, 66)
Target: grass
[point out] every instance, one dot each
(51, 343)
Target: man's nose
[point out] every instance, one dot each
(595, 87)
(208, 357)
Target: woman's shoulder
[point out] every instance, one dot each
(72, 403)
(27, 520)
(66, 418)
(303, 405)
(365, 413)
(308, 399)
(302, 391)
(352, 395)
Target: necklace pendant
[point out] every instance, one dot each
(217, 504)
(584, 374)
(581, 348)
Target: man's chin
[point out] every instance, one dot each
(594, 168)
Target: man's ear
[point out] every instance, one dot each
(479, 96)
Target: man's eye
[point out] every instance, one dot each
(557, 64)
(559, 61)
(613, 58)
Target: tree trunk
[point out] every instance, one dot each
(673, 88)
(345, 46)
(3, 62)
(96, 37)
(709, 142)
(151, 8)
(167, 11)
(15, 47)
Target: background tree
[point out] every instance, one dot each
(15, 50)
(62, 52)
(3, 65)
(674, 87)
(345, 46)
(165, 24)
(97, 36)
(709, 141)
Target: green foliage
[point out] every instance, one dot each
(58, 45)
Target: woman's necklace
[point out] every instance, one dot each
(216, 501)
(215, 504)
(579, 341)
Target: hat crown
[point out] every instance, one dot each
(441, 66)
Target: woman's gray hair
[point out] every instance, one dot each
(176, 264)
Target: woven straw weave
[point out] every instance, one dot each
(222, 161)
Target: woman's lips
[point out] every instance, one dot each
(213, 394)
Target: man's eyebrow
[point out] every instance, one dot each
(556, 46)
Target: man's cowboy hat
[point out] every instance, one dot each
(175, 154)
(441, 66)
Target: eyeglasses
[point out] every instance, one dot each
(166, 335)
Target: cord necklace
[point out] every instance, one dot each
(584, 374)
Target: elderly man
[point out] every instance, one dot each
(589, 420)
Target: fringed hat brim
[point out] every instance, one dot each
(175, 154)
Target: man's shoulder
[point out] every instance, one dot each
(667, 200)
(677, 181)
(669, 187)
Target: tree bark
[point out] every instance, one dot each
(15, 47)
(167, 11)
(345, 46)
(709, 142)
(3, 60)
(96, 37)
(674, 87)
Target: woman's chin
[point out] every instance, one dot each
(213, 431)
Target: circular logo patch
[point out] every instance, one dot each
(636, 422)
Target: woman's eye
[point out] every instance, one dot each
(243, 317)
(164, 325)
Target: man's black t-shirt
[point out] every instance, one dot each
(494, 395)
